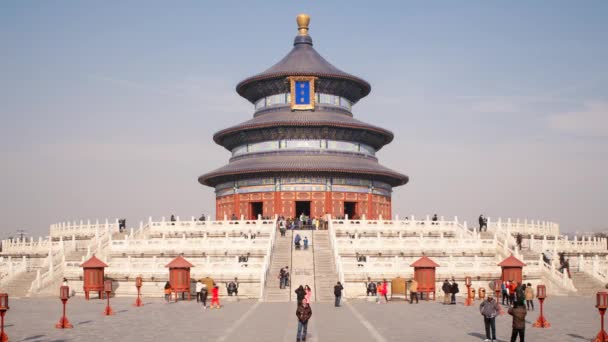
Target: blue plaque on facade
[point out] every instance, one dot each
(302, 92)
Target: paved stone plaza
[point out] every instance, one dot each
(573, 319)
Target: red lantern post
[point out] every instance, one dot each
(541, 294)
(138, 284)
(3, 308)
(467, 282)
(497, 285)
(602, 304)
(64, 294)
(107, 287)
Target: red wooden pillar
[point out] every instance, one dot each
(179, 275)
(512, 269)
(370, 198)
(93, 276)
(424, 273)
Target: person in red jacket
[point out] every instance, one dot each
(215, 296)
(384, 290)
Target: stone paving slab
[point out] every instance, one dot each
(573, 319)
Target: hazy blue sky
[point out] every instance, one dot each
(108, 108)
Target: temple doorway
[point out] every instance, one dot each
(302, 207)
(350, 209)
(256, 208)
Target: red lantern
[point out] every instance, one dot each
(3, 308)
(107, 287)
(4, 302)
(138, 284)
(602, 305)
(64, 294)
(468, 301)
(541, 294)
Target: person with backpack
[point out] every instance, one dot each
(529, 294)
(233, 287)
(338, 293)
(489, 309)
(518, 311)
(454, 290)
(304, 312)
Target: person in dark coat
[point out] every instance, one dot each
(447, 291)
(338, 293)
(304, 312)
(454, 290)
(300, 293)
(518, 311)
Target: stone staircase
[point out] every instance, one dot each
(281, 257)
(586, 284)
(325, 275)
(303, 267)
(19, 286)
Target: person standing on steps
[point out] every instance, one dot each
(338, 293)
(305, 242)
(489, 310)
(282, 278)
(304, 312)
(300, 294)
(308, 294)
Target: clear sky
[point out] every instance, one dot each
(108, 108)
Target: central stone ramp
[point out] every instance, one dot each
(324, 267)
(281, 257)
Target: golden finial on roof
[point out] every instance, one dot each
(303, 20)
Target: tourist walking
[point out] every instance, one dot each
(529, 294)
(385, 290)
(447, 292)
(454, 290)
(215, 296)
(512, 288)
(413, 291)
(378, 292)
(518, 311)
(304, 312)
(198, 288)
(204, 293)
(305, 242)
(338, 293)
(481, 223)
(282, 227)
(300, 294)
(489, 310)
(308, 294)
(504, 290)
(296, 241)
(167, 292)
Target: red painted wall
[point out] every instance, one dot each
(284, 202)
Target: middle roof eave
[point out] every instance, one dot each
(319, 118)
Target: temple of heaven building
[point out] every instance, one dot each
(303, 152)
